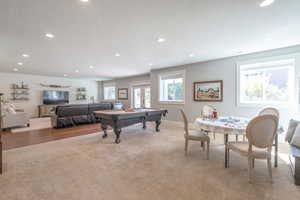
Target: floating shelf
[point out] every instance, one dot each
(81, 94)
(20, 92)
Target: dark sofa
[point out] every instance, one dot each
(76, 114)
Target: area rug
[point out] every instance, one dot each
(145, 166)
(35, 124)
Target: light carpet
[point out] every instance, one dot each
(35, 124)
(144, 166)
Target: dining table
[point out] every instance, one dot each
(230, 125)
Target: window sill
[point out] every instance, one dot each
(259, 105)
(172, 102)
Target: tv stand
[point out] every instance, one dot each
(47, 110)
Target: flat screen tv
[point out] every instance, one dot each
(55, 97)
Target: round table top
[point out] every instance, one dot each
(225, 125)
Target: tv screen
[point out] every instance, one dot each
(55, 97)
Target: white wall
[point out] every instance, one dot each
(31, 106)
(224, 69)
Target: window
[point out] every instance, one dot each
(171, 87)
(109, 92)
(267, 82)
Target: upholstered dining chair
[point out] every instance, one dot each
(275, 112)
(195, 135)
(260, 133)
(206, 112)
(269, 111)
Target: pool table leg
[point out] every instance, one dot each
(226, 150)
(144, 124)
(118, 133)
(158, 122)
(104, 128)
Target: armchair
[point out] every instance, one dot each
(13, 118)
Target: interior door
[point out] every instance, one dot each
(142, 96)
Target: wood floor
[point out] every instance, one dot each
(14, 140)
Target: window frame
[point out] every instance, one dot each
(171, 73)
(106, 86)
(255, 64)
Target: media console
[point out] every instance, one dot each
(46, 110)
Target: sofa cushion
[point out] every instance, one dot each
(72, 110)
(291, 130)
(99, 106)
(64, 122)
(296, 137)
(118, 106)
(81, 119)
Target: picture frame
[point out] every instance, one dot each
(123, 93)
(210, 91)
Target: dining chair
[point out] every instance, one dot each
(194, 135)
(269, 111)
(260, 133)
(275, 112)
(206, 112)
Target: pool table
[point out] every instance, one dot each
(119, 119)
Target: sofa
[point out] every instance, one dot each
(12, 117)
(77, 114)
(293, 138)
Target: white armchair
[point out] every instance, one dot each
(13, 118)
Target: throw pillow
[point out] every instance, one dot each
(11, 110)
(291, 130)
(296, 137)
(12, 106)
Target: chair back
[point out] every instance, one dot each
(269, 111)
(185, 122)
(207, 110)
(261, 131)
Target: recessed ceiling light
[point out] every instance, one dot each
(15, 69)
(266, 3)
(20, 63)
(117, 54)
(150, 64)
(25, 55)
(76, 70)
(49, 35)
(91, 67)
(65, 75)
(161, 40)
(191, 55)
(84, 0)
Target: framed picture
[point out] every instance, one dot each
(208, 91)
(123, 93)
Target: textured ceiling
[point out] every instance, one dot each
(92, 33)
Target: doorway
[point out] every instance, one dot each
(141, 96)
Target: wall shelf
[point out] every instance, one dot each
(20, 92)
(81, 94)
